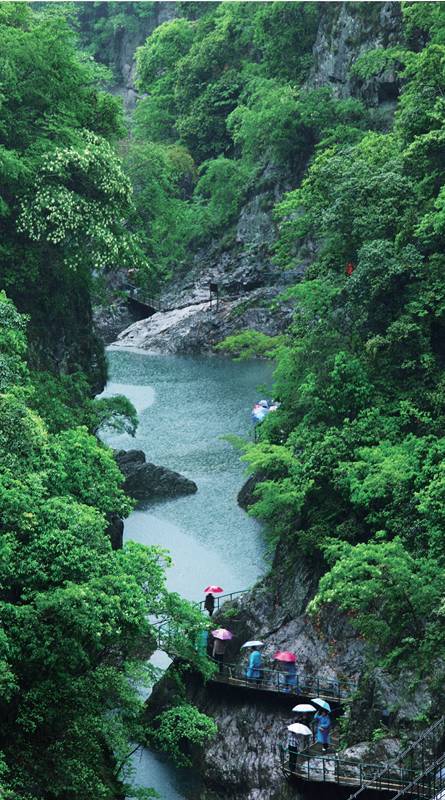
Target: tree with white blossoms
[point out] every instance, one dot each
(79, 204)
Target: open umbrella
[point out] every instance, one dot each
(285, 656)
(253, 643)
(322, 703)
(297, 727)
(222, 633)
(304, 708)
(213, 589)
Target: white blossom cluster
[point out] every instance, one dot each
(79, 202)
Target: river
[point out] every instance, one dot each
(185, 406)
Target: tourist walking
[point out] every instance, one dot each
(254, 670)
(219, 647)
(209, 603)
(323, 723)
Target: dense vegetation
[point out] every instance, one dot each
(223, 106)
(355, 457)
(75, 634)
(64, 196)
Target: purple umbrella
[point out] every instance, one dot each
(222, 633)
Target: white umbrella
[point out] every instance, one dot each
(253, 643)
(304, 707)
(297, 727)
(322, 703)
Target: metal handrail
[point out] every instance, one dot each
(136, 293)
(281, 681)
(223, 598)
(436, 771)
(332, 768)
(408, 751)
(164, 624)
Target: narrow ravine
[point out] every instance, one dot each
(185, 406)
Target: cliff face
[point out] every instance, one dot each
(346, 31)
(125, 43)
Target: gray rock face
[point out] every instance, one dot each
(144, 481)
(198, 327)
(346, 31)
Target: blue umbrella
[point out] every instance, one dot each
(322, 703)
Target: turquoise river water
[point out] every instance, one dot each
(185, 406)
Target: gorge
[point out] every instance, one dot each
(273, 183)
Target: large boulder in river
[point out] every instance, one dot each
(144, 481)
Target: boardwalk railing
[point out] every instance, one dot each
(415, 759)
(223, 598)
(164, 629)
(135, 293)
(430, 785)
(326, 768)
(274, 680)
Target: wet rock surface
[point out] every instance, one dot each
(145, 481)
(198, 327)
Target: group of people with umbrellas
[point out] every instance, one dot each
(314, 719)
(315, 722)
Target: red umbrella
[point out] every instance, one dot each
(285, 656)
(213, 590)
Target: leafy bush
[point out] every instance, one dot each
(179, 728)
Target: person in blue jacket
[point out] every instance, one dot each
(254, 670)
(323, 723)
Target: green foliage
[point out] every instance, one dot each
(392, 597)
(352, 460)
(223, 183)
(179, 728)
(63, 196)
(12, 345)
(374, 62)
(75, 634)
(250, 344)
(220, 81)
(65, 401)
(167, 44)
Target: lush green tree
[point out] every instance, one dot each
(76, 631)
(178, 728)
(391, 597)
(352, 460)
(64, 196)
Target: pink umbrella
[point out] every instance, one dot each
(213, 590)
(222, 633)
(285, 656)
